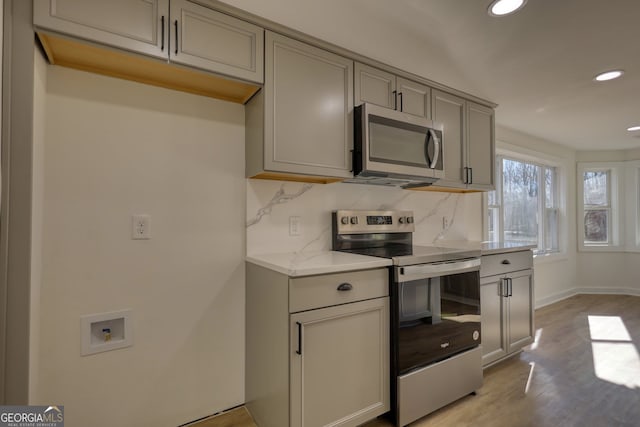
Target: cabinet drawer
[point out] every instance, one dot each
(306, 293)
(504, 263)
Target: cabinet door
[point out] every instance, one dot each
(520, 310)
(134, 25)
(213, 41)
(374, 86)
(341, 376)
(450, 111)
(308, 109)
(481, 146)
(414, 98)
(492, 310)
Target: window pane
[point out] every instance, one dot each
(492, 198)
(596, 188)
(520, 201)
(551, 232)
(493, 224)
(550, 180)
(595, 226)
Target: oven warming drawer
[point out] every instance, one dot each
(432, 387)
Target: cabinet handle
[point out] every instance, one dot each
(400, 95)
(395, 100)
(510, 287)
(345, 287)
(503, 291)
(299, 350)
(162, 33)
(471, 175)
(176, 35)
(466, 175)
(505, 262)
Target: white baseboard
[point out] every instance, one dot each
(576, 291)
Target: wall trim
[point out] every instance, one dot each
(577, 291)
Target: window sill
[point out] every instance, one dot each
(602, 249)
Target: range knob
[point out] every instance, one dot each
(354, 220)
(402, 220)
(409, 220)
(344, 220)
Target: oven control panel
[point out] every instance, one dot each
(364, 221)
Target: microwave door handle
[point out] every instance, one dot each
(436, 149)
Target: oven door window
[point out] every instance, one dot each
(437, 317)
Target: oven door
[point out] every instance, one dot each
(437, 312)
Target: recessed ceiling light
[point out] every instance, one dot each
(505, 7)
(609, 75)
(633, 128)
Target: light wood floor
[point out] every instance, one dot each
(573, 375)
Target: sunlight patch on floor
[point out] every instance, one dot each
(615, 356)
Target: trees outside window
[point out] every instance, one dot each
(524, 207)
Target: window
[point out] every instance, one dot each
(600, 220)
(597, 206)
(524, 206)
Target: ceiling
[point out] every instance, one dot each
(538, 64)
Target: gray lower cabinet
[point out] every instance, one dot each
(506, 298)
(177, 30)
(316, 355)
(302, 121)
(469, 141)
(388, 90)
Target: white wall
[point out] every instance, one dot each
(114, 148)
(555, 275)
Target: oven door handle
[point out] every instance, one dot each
(426, 271)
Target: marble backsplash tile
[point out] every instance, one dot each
(270, 204)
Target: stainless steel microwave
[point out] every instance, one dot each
(396, 148)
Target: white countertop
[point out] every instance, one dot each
(295, 264)
(486, 248)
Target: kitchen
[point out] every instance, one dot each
(188, 299)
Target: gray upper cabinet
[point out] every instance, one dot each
(480, 146)
(177, 30)
(469, 142)
(302, 120)
(388, 90)
(131, 25)
(217, 42)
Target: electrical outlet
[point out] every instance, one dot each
(140, 227)
(445, 223)
(294, 226)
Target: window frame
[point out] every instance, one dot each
(542, 208)
(615, 218)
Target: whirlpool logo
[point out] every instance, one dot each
(32, 416)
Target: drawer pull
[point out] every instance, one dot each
(506, 262)
(345, 287)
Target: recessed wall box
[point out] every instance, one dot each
(105, 331)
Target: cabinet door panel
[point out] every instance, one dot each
(520, 310)
(342, 376)
(129, 24)
(374, 86)
(308, 109)
(217, 42)
(450, 111)
(414, 98)
(481, 155)
(493, 321)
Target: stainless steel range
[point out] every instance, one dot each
(435, 310)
